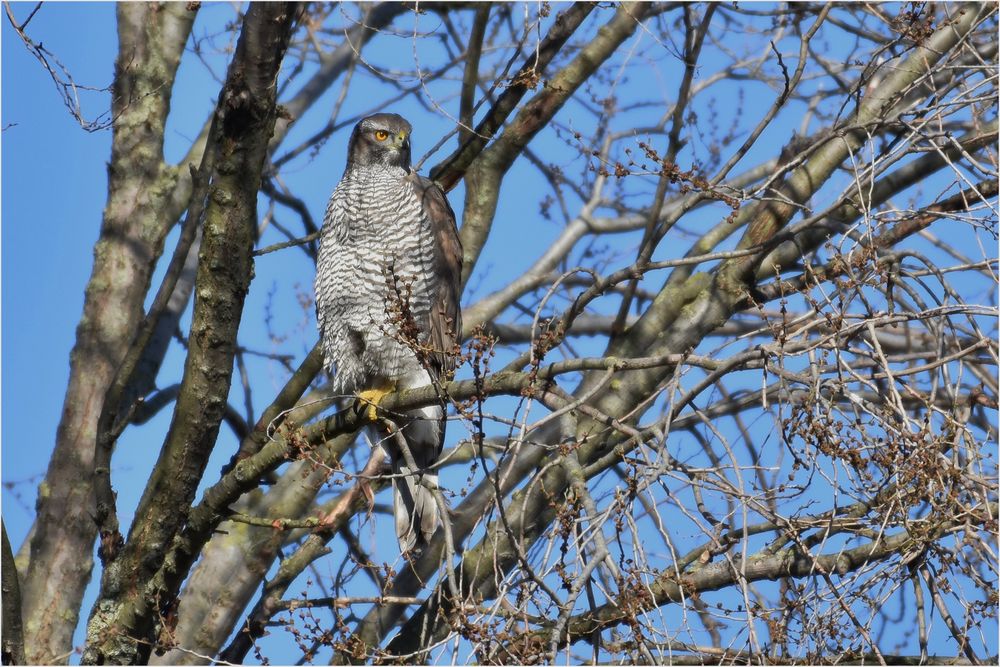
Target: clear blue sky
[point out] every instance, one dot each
(54, 190)
(53, 193)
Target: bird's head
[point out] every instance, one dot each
(382, 139)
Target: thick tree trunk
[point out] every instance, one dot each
(12, 645)
(151, 40)
(122, 624)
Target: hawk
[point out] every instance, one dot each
(388, 279)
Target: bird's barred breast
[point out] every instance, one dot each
(375, 230)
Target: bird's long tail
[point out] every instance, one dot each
(414, 504)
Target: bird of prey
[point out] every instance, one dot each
(388, 279)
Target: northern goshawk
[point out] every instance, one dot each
(388, 281)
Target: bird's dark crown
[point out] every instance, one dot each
(380, 139)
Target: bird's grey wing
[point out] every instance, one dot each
(415, 506)
(445, 318)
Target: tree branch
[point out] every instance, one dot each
(450, 170)
(762, 566)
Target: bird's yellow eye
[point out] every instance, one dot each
(381, 135)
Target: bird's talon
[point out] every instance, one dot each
(370, 398)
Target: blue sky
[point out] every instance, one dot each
(54, 189)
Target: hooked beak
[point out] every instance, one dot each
(401, 141)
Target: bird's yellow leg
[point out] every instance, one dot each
(372, 397)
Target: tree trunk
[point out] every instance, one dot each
(122, 623)
(151, 40)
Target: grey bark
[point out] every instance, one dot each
(151, 40)
(12, 639)
(122, 624)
